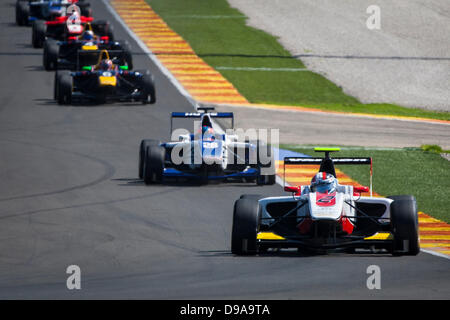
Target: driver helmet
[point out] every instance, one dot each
(106, 65)
(207, 130)
(74, 17)
(88, 35)
(323, 182)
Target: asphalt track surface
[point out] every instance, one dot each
(342, 129)
(69, 194)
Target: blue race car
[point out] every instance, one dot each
(205, 155)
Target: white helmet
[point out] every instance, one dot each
(323, 182)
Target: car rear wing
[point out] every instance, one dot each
(327, 164)
(223, 115)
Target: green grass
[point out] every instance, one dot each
(424, 174)
(231, 43)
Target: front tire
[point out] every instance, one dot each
(405, 225)
(64, 89)
(154, 164)
(38, 32)
(50, 55)
(22, 13)
(245, 227)
(142, 153)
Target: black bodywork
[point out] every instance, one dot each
(73, 55)
(86, 85)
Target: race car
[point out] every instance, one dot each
(326, 216)
(30, 10)
(66, 54)
(104, 82)
(61, 27)
(206, 154)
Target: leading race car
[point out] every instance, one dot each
(325, 215)
(206, 154)
(67, 54)
(31, 10)
(103, 82)
(61, 27)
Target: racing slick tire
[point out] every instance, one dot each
(251, 196)
(58, 75)
(148, 88)
(103, 28)
(269, 179)
(405, 225)
(245, 227)
(154, 164)
(85, 8)
(50, 55)
(269, 176)
(22, 12)
(128, 57)
(38, 32)
(142, 153)
(64, 89)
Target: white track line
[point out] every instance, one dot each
(437, 254)
(197, 16)
(151, 55)
(263, 69)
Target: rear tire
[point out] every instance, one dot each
(154, 164)
(128, 57)
(269, 176)
(142, 153)
(245, 227)
(405, 226)
(85, 8)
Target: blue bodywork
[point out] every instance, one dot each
(44, 10)
(209, 146)
(174, 173)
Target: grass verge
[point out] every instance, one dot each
(424, 174)
(219, 35)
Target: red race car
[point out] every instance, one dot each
(61, 27)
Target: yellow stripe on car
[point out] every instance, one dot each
(269, 236)
(89, 47)
(108, 81)
(380, 236)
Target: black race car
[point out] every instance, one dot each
(106, 81)
(67, 54)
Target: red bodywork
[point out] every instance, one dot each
(325, 200)
(62, 20)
